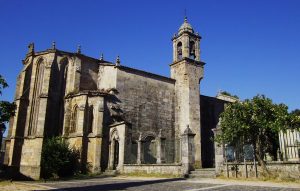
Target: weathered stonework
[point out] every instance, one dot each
(117, 117)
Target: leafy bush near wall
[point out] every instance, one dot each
(58, 159)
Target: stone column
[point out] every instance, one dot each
(158, 148)
(158, 151)
(97, 131)
(197, 50)
(219, 153)
(188, 150)
(139, 150)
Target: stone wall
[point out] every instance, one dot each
(153, 169)
(283, 170)
(31, 157)
(89, 74)
(147, 101)
(107, 77)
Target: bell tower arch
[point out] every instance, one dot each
(186, 43)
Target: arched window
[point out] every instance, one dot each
(38, 85)
(74, 118)
(179, 50)
(192, 50)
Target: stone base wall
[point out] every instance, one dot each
(153, 169)
(276, 168)
(31, 158)
(32, 172)
(94, 154)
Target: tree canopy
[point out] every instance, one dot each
(3, 84)
(255, 121)
(7, 109)
(295, 119)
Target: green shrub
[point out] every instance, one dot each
(58, 159)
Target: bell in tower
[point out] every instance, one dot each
(186, 43)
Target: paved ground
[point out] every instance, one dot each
(151, 184)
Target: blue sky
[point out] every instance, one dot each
(250, 46)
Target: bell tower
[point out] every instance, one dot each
(187, 70)
(186, 43)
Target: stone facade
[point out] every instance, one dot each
(118, 117)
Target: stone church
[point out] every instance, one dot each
(118, 117)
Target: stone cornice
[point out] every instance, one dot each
(188, 33)
(73, 135)
(92, 135)
(60, 52)
(33, 136)
(190, 61)
(120, 123)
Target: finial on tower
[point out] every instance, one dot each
(102, 57)
(185, 17)
(79, 49)
(53, 45)
(30, 48)
(118, 61)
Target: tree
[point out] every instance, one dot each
(256, 121)
(7, 109)
(3, 84)
(58, 159)
(295, 119)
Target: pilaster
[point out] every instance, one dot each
(188, 145)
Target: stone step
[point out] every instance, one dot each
(203, 173)
(205, 169)
(198, 176)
